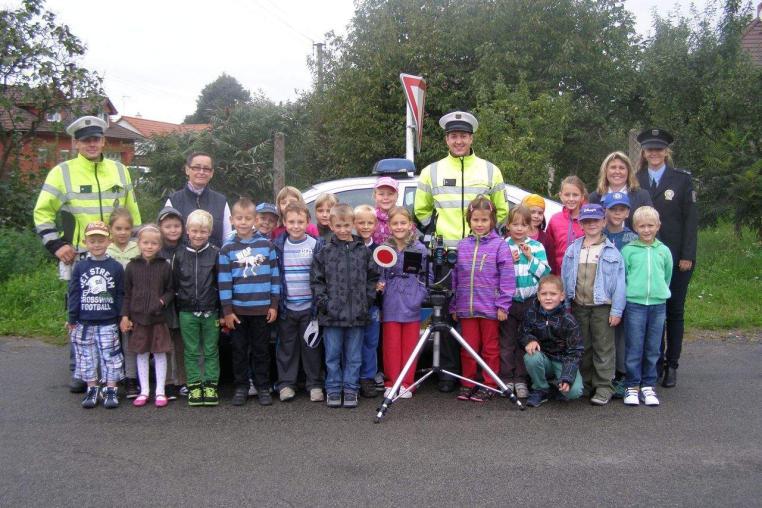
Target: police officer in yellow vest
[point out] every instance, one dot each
(446, 187)
(83, 190)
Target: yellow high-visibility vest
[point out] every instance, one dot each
(449, 185)
(84, 191)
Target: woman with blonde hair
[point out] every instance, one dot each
(618, 175)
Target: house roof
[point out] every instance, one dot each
(751, 40)
(116, 131)
(148, 128)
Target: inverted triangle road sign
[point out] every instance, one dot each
(415, 92)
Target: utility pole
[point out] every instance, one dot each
(279, 163)
(319, 58)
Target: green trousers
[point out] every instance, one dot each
(200, 337)
(541, 368)
(599, 358)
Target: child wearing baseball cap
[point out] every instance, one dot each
(96, 290)
(593, 274)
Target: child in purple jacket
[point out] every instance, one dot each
(483, 283)
(403, 297)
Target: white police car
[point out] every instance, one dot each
(359, 190)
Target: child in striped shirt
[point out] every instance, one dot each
(249, 284)
(295, 250)
(530, 263)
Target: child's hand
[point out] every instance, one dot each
(125, 325)
(532, 347)
(454, 317)
(501, 315)
(272, 315)
(380, 286)
(516, 254)
(526, 250)
(231, 320)
(613, 321)
(564, 387)
(684, 265)
(71, 327)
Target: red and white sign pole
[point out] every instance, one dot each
(415, 93)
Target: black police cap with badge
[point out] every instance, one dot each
(655, 138)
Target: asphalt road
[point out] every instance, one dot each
(701, 447)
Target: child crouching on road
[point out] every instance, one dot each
(95, 299)
(553, 344)
(195, 279)
(343, 281)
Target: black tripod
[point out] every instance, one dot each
(439, 325)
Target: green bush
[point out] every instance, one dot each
(21, 252)
(32, 304)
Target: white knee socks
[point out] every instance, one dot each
(160, 364)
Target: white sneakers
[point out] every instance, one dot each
(648, 394)
(631, 397)
(405, 395)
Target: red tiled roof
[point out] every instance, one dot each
(118, 132)
(751, 40)
(148, 128)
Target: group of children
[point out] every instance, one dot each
(168, 293)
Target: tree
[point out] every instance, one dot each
(218, 98)
(39, 75)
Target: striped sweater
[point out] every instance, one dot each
(528, 273)
(248, 276)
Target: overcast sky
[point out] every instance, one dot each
(156, 56)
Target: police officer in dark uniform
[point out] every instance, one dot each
(672, 193)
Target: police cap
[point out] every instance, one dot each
(459, 121)
(655, 138)
(87, 127)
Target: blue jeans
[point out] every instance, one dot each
(343, 356)
(369, 365)
(645, 325)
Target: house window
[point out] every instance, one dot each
(63, 155)
(54, 116)
(42, 156)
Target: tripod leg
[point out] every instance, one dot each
(485, 368)
(389, 399)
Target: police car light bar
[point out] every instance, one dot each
(392, 167)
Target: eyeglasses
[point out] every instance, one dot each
(201, 169)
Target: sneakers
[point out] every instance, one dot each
(252, 389)
(404, 394)
(368, 388)
(537, 398)
(287, 394)
(182, 391)
(465, 393)
(316, 395)
(649, 396)
(619, 389)
(77, 386)
(379, 381)
(195, 394)
(131, 388)
(170, 391)
(211, 397)
(350, 400)
(521, 391)
(631, 396)
(264, 398)
(110, 398)
(601, 398)
(91, 397)
(482, 395)
(240, 395)
(333, 400)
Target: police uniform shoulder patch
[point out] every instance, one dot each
(669, 194)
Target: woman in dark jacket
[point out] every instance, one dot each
(617, 175)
